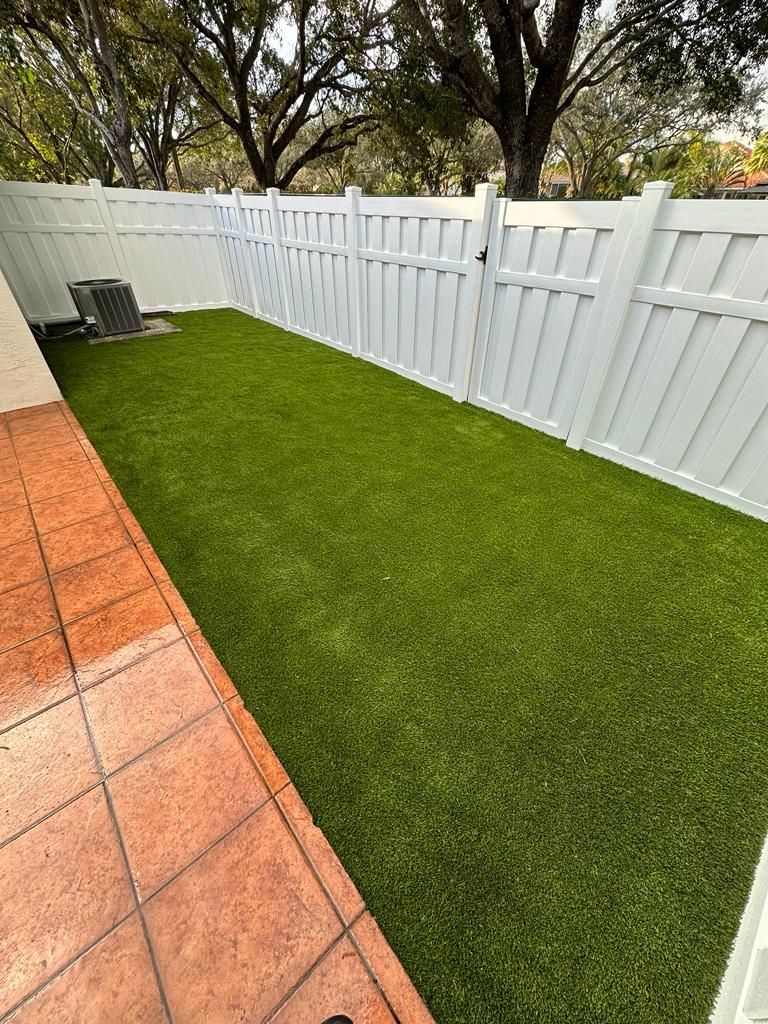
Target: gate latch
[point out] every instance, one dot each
(482, 256)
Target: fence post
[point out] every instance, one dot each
(242, 229)
(281, 262)
(353, 193)
(624, 260)
(109, 226)
(220, 247)
(485, 196)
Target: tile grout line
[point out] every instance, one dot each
(62, 494)
(65, 967)
(17, 586)
(81, 522)
(47, 447)
(238, 732)
(121, 842)
(184, 727)
(54, 497)
(371, 973)
(108, 604)
(108, 796)
(286, 998)
(35, 636)
(50, 814)
(45, 412)
(40, 711)
(99, 608)
(348, 933)
(310, 862)
(93, 558)
(113, 672)
(115, 771)
(211, 846)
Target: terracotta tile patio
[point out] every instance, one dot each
(156, 864)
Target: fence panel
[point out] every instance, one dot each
(233, 251)
(415, 263)
(685, 395)
(260, 249)
(313, 233)
(172, 231)
(545, 261)
(164, 243)
(50, 234)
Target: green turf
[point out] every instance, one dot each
(524, 690)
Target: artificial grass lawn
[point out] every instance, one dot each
(523, 690)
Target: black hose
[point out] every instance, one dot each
(84, 329)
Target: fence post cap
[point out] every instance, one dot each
(354, 190)
(486, 187)
(664, 186)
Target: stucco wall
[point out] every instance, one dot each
(24, 376)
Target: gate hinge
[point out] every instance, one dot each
(482, 256)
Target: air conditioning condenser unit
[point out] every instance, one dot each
(109, 303)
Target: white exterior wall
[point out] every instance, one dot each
(24, 376)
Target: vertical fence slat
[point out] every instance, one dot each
(245, 248)
(488, 296)
(353, 193)
(226, 274)
(485, 196)
(281, 262)
(109, 226)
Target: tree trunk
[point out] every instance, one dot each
(524, 147)
(123, 158)
(177, 168)
(523, 163)
(268, 178)
(264, 174)
(121, 130)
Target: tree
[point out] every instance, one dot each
(89, 60)
(70, 48)
(216, 159)
(430, 142)
(609, 129)
(44, 138)
(388, 163)
(512, 61)
(758, 161)
(288, 103)
(708, 166)
(168, 120)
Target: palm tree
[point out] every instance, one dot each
(758, 161)
(709, 166)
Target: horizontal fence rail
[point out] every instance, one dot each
(637, 330)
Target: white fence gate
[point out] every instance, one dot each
(545, 262)
(637, 330)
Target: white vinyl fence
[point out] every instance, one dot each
(637, 330)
